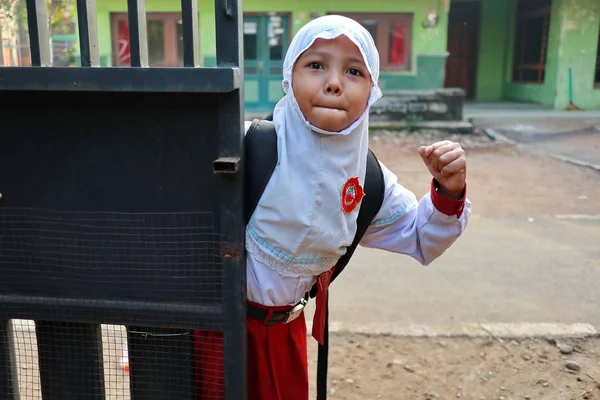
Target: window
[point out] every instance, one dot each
(531, 40)
(250, 40)
(392, 34)
(597, 76)
(165, 39)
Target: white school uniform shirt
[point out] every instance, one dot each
(403, 225)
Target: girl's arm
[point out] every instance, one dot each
(421, 229)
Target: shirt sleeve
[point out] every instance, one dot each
(421, 229)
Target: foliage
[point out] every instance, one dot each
(60, 14)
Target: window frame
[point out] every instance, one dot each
(383, 37)
(518, 65)
(597, 65)
(169, 20)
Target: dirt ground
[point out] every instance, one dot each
(364, 367)
(398, 368)
(503, 180)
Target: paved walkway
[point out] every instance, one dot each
(528, 118)
(507, 271)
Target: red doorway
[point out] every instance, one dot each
(165, 39)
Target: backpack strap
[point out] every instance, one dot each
(374, 194)
(371, 203)
(260, 146)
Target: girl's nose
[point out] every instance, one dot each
(333, 85)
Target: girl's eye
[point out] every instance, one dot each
(315, 65)
(354, 71)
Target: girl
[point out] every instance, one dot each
(306, 217)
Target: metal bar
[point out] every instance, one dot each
(231, 130)
(182, 80)
(39, 37)
(536, 67)
(9, 388)
(138, 36)
(1, 49)
(111, 312)
(228, 15)
(161, 364)
(88, 33)
(70, 360)
(189, 12)
(544, 44)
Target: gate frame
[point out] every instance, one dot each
(226, 81)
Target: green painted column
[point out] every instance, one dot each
(578, 43)
(493, 44)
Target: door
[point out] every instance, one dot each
(165, 39)
(265, 42)
(463, 41)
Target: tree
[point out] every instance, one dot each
(7, 11)
(60, 14)
(61, 17)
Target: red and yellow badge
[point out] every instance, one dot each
(352, 195)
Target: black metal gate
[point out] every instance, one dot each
(121, 229)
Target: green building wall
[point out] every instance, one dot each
(530, 92)
(578, 36)
(572, 43)
(428, 48)
(492, 52)
(206, 22)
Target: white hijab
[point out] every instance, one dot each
(299, 227)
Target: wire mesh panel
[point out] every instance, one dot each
(106, 258)
(123, 352)
(111, 256)
(121, 231)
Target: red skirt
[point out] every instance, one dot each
(277, 361)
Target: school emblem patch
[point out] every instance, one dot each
(352, 195)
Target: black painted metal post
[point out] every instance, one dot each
(161, 363)
(39, 38)
(231, 132)
(8, 364)
(70, 361)
(1, 51)
(88, 33)
(189, 13)
(138, 37)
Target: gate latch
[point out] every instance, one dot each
(226, 165)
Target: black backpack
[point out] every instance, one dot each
(261, 155)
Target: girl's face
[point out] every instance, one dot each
(331, 83)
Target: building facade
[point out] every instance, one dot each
(497, 50)
(526, 49)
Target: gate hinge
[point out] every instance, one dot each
(232, 250)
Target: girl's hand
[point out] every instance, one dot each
(447, 163)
